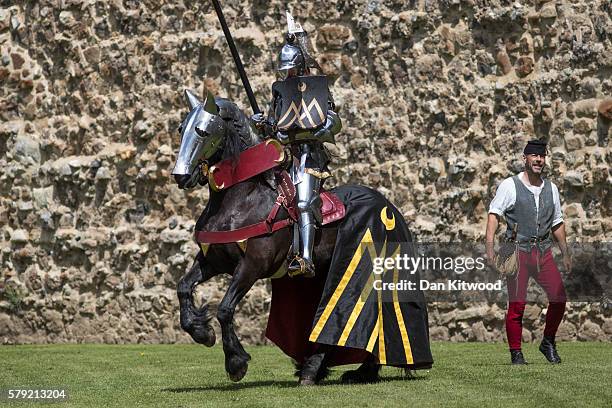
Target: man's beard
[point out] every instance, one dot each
(538, 168)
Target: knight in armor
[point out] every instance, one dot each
(302, 115)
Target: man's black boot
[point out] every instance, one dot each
(517, 357)
(549, 349)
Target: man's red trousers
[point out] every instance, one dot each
(548, 277)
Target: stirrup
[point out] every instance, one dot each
(300, 266)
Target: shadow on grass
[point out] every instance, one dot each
(508, 364)
(403, 378)
(277, 384)
(233, 386)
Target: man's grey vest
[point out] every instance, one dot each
(533, 223)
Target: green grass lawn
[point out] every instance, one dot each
(467, 374)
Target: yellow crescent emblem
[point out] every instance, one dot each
(389, 222)
(302, 86)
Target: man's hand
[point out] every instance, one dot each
(558, 232)
(257, 118)
(259, 121)
(567, 263)
(490, 255)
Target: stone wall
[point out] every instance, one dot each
(437, 99)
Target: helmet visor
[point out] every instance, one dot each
(288, 73)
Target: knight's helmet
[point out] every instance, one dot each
(295, 53)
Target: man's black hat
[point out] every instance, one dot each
(535, 147)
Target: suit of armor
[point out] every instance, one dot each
(305, 134)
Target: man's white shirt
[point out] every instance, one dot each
(505, 197)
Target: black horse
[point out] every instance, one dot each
(214, 130)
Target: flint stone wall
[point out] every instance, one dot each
(437, 100)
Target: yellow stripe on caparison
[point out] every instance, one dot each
(346, 277)
(400, 322)
(365, 294)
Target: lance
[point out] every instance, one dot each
(236, 56)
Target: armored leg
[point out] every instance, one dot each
(309, 208)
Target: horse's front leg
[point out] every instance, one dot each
(236, 358)
(196, 321)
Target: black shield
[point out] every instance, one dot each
(302, 102)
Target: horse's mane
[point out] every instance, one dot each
(238, 133)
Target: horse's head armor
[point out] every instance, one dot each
(201, 135)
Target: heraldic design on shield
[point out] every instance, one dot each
(303, 102)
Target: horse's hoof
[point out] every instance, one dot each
(409, 374)
(307, 381)
(349, 377)
(239, 373)
(358, 377)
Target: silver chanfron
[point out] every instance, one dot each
(201, 134)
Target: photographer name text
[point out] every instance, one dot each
(450, 285)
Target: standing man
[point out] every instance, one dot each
(532, 203)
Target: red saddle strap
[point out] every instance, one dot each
(286, 194)
(240, 234)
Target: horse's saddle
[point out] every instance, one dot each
(332, 209)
